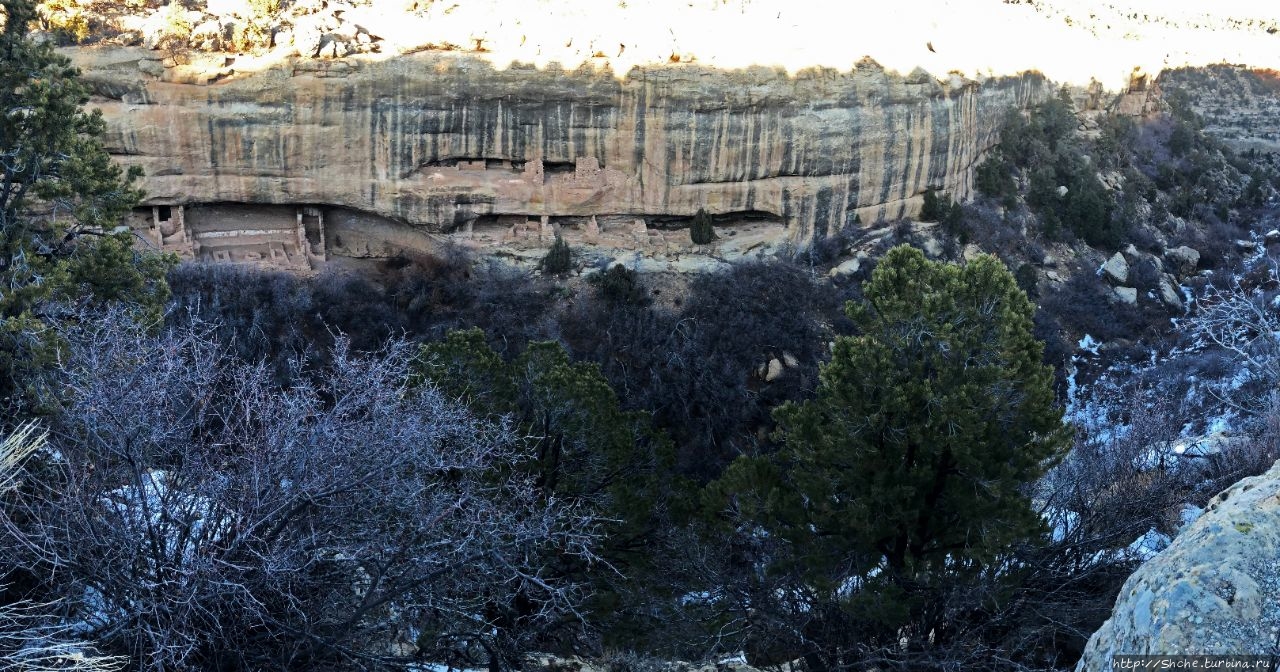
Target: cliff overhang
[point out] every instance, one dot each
(442, 142)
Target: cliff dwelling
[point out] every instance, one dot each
(278, 236)
(490, 205)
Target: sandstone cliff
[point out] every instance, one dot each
(442, 141)
(1214, 591)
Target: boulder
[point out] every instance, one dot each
(151, 66)
(228, 7)
(1116, 269)
(207, 36)
(332, 47)
(1126, 295)
(846, 268)
(346, 31)
(774, 371)
(283, 38)
(1246, 246)
(932, 248)
(307, 35)
(1214, 591)
(308, 6)
(1272, 237)
(1182, 260)
(1169, 292)
(152, 37)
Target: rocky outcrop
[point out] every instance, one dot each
(443, 141)
(1239, 105)
(1214, 591)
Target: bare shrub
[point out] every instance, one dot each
(1122, 473)
(270, 315)
(1084, 305)
(199, 516)
(1244, 324)
(1004, 235)
(31, 640)
(1216, 242)
(1253, 454)
(1120, 480)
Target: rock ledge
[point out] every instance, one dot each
(1214, 591)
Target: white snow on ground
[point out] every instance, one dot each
(697, 597)
(1188, 514)
(1149, 544)
(176, 518)
(441, 667)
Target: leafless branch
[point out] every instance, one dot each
(201, 511)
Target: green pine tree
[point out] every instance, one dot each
(934, 208)
(559, 258)
(905, 476)
(588, 452)
(701, 231)
(51, 158)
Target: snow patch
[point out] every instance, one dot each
(1188, 514)
(1148, 545)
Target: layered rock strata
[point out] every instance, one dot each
(443, 142)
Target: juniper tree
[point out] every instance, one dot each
(932, 209)
(588, 452)
(903, 481)
(60, 196)
(559, 258)
(701, 231)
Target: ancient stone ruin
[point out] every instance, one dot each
(428, 145)
(283, 236)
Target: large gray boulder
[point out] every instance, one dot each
(1182, 260)
(1126, 295)
(849, 266)
(1214, 591)
(1170, 293)
(1117, 269)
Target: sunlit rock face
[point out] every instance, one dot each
(442, 142)
(1214, 592)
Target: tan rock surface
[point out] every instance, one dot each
(1214, 591)
(446, 142)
